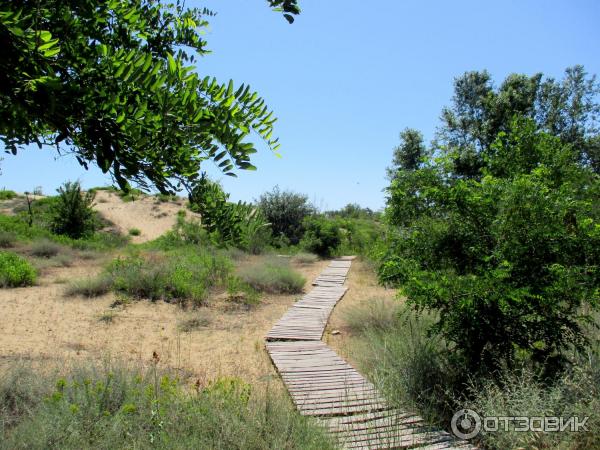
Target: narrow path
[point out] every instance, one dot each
(323, 385)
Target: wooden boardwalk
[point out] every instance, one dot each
(323, 385)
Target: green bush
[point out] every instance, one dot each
(72, 213)
(322, 236)
(285, 211)
(274, 277)
(135, 232)
(15, 271)
(241, 292)
(6, 194)
(118, 407)
(507, 258)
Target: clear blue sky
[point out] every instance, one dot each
(348, 76)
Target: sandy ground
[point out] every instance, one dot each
(40, 323)
(149, 215)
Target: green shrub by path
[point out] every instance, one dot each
(422, 373)
(6, 194)
(241, 292)
(15, 271)
(322, 236)
(273, 276)
(121, 408)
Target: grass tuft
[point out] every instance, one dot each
(305, 258)
(89, 287)
(273, 276)
(135, 232)
(45, 248)
(7, 239)
(193, 323)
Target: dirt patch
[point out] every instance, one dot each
(147, 214)
(40, 323)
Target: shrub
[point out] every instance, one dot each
(72, 213)
(241, 292)
(322, 236)
(44, 248)
(6, 194)
(7, 239)
(286, 211)
(90, 287)
(15, 271)
(273, 277)
(180, 276)
(509, 257)
(305, 258)
(135, 232)
(121, 407)
(190, 324)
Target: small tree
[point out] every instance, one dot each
(286, 210)
(72, 213)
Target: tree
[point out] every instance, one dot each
(286, 211)
(113, 83)
(506, 252)
(409, 154)
(568, 109)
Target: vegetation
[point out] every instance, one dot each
(322, 236)
(273, 276)
(7, 239)
(96, 78)
(134, 232)
(239, 224)
(195, 322)
(89, 287)
(45, 248)
(72, 214)
(15, 271)
(419, 372)
(6, 194)
(285, 211)
(500, 238)
(119, 407)
(305, 258)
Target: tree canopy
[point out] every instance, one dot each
(497, 230)
(113, 83)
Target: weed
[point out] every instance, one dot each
(135, 232)
(90, 287)
(275, 277)
(190, 324)
(45, 248)
(7, 239)
(15, 271)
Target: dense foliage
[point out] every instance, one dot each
(239, 224)
(114, 83)
(15, 271)
(72, 213)
(322, 236)
(285, 211)
(501, 235)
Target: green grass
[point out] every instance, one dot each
(15, 271)
(273, 276)
(117, 407)
(135, 232)
(418, 372)
(184, 275)
(6, 194)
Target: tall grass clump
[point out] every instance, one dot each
(90, 287)
(273, 276)
(117, 407)
(45, 248)
(7, 239)
(15, 271)
(412, 368)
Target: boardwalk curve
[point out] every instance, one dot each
(324, 385)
